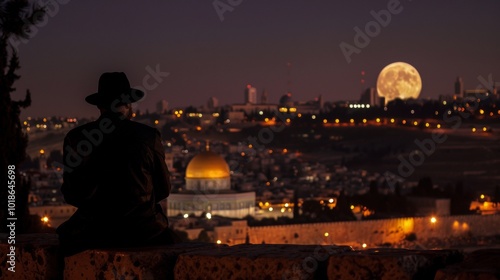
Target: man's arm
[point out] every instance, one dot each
(161, 175)
(79, 176)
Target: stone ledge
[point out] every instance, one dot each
(37, 257)
(132, 263)
(257, 262)
(390, 264)
(478, 265)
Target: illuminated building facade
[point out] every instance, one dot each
(208, 190)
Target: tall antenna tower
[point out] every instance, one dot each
(362, 80)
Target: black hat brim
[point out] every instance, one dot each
(131, 96)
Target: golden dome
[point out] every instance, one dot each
(207, 165)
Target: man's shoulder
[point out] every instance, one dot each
(141, 131)
(84, 127)
(142, 128)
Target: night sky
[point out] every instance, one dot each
(206, 57)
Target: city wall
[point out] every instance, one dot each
(376, 232)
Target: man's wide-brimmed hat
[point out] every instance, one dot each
(114, 88)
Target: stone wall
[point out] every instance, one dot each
(376, 231)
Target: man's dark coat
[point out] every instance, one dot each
(115, 173)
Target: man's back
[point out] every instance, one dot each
(116, 182)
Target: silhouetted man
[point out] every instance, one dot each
(115, 173)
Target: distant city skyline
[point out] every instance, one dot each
(186, 52)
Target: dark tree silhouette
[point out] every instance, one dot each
(16, 17)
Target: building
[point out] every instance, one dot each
(459, 87)
(253, 108)
(162, 107)
(212, 103)
(250, 95)
(426, 206)
(264, 97)
(370, 96)
(53, 215)
(208, 191)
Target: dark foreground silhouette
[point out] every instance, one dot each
(115, 173)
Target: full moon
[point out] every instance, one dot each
(399, 80)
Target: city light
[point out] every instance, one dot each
(218, 241)
(364, 245)
(482, 196)
(209, 216)
(326, 234)
(433, 220)
(186, 215)
(45, 219)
